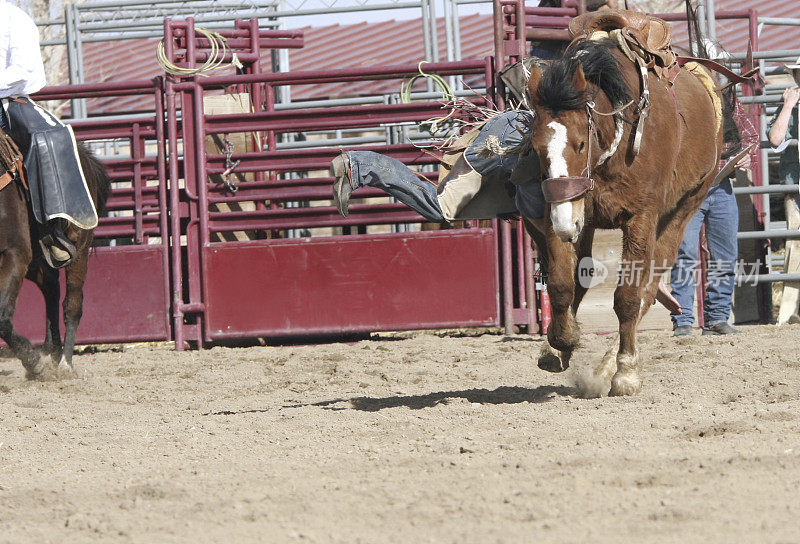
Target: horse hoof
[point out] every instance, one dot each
(552, 363)
(34, 368)
(552, 360)
(64, 365)
(596, 383)
(625, 383)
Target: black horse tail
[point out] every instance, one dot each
(96, 176)
(698, 46)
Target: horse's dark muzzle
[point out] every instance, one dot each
(565, 189)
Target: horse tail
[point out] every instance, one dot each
(96, 176)
(697, 46)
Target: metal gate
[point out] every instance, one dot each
(342, 278)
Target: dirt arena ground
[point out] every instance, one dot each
(421, 438)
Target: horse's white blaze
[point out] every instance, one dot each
(561, 213)
(555, 150)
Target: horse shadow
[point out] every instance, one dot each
(501, 395)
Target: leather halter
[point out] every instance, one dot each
(565, 189)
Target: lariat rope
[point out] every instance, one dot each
(405, 87)
(216, 56)
(454, 105)
(447, 95)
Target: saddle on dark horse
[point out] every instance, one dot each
(55, 180)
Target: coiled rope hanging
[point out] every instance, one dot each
(447, 95)
(215, 61)
(405, 87)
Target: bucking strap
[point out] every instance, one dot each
(565, 189)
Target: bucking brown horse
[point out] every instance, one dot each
(587, 106)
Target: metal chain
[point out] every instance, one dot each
(230, 166)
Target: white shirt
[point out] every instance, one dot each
(21, 66)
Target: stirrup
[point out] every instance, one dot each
(56, 242)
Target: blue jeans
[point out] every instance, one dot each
(394, 177)
(720, 214)
(509, 128)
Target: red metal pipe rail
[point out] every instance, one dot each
(337, 117)
(337, 76)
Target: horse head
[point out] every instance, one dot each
(570, 140)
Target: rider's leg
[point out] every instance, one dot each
(354, 169)
(458, 188)
(491, 158)
(58, 189)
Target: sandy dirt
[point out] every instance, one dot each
(418, 439)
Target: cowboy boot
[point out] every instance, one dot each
(343, 184)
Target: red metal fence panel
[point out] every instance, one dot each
(351, 284)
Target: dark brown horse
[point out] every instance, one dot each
(650, 196)
(21, 257)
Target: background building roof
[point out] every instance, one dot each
(388, 43)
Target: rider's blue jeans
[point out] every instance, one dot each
(720, 214)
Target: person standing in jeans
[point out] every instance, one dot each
(720, 214)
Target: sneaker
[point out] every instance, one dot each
(720, 328)
(342, 185)
(683, 330)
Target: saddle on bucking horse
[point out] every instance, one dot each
(637, 34)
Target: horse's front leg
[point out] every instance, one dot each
(637, 269)
(550, 358)
(563, 333)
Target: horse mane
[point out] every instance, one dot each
(601, 67)
(96, 175)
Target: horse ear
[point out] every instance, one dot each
(579, 79)
(533, 83)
